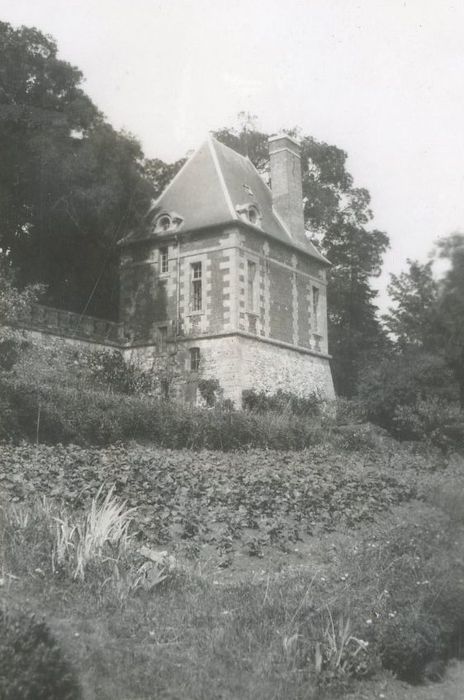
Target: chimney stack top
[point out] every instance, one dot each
(284, 141)
(286, 183)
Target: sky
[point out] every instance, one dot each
(382, 79)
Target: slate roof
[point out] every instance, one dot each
(210, 186)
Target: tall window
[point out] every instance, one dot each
(251, 285)
(164, 260)
(194, 359)
(316, 307)
(163, 338)
(196, 288)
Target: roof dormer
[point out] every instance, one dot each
(167, 222)
(250, 213)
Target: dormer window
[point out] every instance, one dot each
(165, 222)
(249, 213)
(253, 215)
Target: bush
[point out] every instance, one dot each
(32, 664)
(401, 381)
(282, 401)
(110, 371)
(57, 412)
(210, 391)
(412, 579)
(431, 419)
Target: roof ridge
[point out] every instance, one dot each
(176, 176)
(232, 150)
(220, 174)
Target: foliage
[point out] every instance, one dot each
(32, 664)
(110, 370)
(44, 390)
(413, 319)
(14, 302)
(413, 576)
(451, 307)
(432, 420)
(389, 592)
(53, 393)
(210, 391)
(281, 401)
(428, 313)
(160, 173)
(220, 499)
(71, 186)
(104, 528)
(402, 381)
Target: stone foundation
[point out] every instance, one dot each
(240, 363)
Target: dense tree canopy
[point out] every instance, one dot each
(70, 186)
(428, 313)
(412, 320)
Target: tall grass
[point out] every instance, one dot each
(101, 534)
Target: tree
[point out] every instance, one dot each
(429, 314)
(70, 186)
(450, 308)
(248, 140)
(160, 173)
(413, 320)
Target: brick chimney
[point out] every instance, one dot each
(287, 192)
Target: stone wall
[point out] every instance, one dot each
(288, 280)
(268, 367)
(239, 362)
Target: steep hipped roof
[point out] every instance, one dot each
(211, 186)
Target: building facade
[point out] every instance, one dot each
(223, 283)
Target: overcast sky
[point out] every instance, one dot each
(382, 79)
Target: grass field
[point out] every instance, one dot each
(330, 604)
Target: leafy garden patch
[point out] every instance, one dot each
(246, 498)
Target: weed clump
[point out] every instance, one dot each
(32, 663)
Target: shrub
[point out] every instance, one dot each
(431, 419)
(281, 401)
(64, 413)
(210, 391)
(410, 579)
(111, 371)
(403, 380)
(32, 664)
(67, 414)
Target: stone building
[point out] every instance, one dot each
(220, 283)
(223, 283)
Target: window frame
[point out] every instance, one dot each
(316, 299)
(252, 286)
(195, 359)
(164, 260)
(162, 339)
(196, 287)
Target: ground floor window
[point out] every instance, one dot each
(194, 359)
